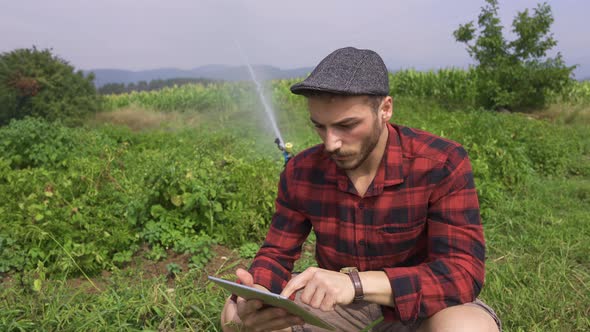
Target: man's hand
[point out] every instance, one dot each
(250, 315)
(323, 289)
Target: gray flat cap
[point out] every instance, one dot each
(347, 71)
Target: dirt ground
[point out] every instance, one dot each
(224, 261)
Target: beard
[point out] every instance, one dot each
(353, 161)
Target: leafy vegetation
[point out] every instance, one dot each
(37, 83)
(83, 206)
(448, 88)
(125, 301)
(118, 88)
(78, 201)
(516, 74)
(98, 195)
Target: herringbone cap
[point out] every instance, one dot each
(347, 71)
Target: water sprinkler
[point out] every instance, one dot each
(287, 149)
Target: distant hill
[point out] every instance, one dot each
(217, 72)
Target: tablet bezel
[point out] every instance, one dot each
(272, 299)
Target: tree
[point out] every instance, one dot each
(515, 75)
(112, 88)
(118, 88)
(36, 83)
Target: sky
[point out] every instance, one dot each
(184, 34)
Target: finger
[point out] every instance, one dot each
(282, 323)
(245, 277)
(230, 312)
(275, 321)
(308, 292)
(317, 298)
(247, 307)
(328, 303)
(297, 282)
(261, 318)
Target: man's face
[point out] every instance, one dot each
(348, 126)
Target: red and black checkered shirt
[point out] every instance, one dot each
(418, 222)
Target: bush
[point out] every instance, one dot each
(515, 75)
(33, 142)
(78, 200)
(36, 83)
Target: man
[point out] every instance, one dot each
(394, 210)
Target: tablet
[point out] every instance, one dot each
(274, 300)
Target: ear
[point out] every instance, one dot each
(386, 110)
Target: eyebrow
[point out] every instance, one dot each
(344, 121)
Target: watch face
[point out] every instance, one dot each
(348, 269)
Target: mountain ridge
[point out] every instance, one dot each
(214, 71)
(211, 71)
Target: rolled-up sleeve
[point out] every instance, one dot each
(289, 228)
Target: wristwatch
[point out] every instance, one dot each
(353, 273)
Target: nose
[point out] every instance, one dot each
(332, 142)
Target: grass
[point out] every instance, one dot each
(538, 277)
(130, 299)
(138, 119)
(538, 271)
(566, 114)
(537, 233)
(130, 302)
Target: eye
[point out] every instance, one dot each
(348, 126)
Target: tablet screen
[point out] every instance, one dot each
(272, 299)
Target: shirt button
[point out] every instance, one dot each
(362, 242)
(361, 205)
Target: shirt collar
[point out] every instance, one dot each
(390, 170)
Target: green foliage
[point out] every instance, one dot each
(516, 74)
(249, 249)
(219, 97)
(173, 268)
(127, 301)
(52, 199)
(449, 88)
(37, 83)
(118, 88)
(506, 150)
(156, 253)
(537, 243)
(577, 94)
(85, 201)
(33, 142)
(223, 102)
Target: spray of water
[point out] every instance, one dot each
(267, 109)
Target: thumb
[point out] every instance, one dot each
(245, 277)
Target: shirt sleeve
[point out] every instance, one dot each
(454, 270)
(289, 228)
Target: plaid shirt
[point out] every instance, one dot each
(418, 222)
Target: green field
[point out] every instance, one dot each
(115, 225)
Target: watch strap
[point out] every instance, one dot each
(356, 282)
